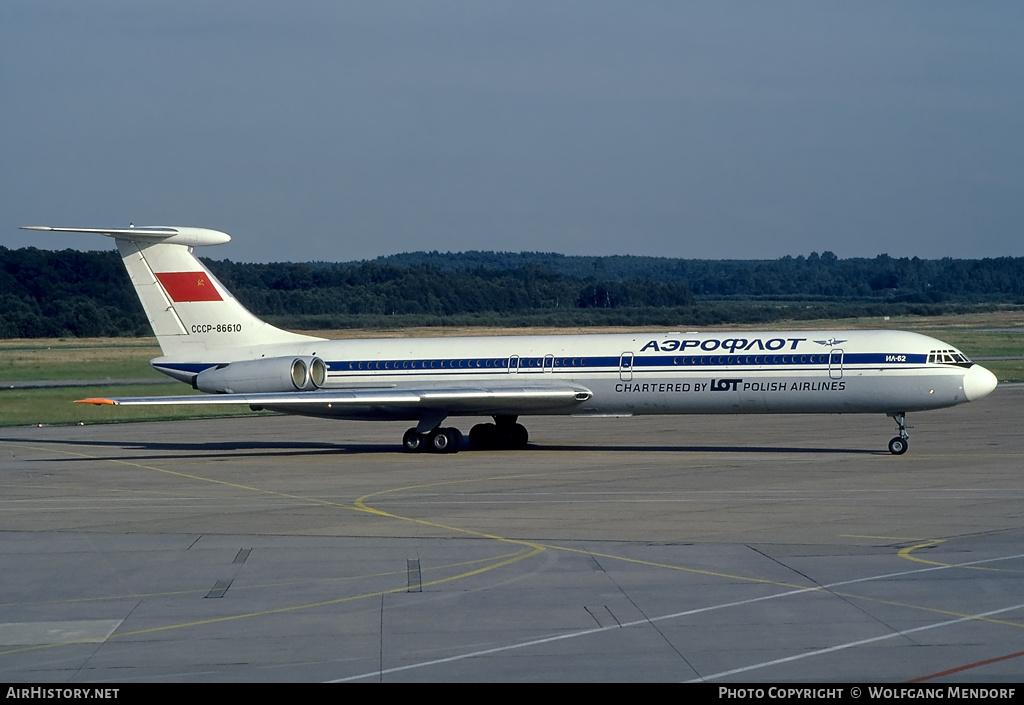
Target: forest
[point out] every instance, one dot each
(86, 294)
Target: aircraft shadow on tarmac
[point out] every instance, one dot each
(243, 449)
(704, 449)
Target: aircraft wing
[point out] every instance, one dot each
(460, 400)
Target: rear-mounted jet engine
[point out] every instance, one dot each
(275, 374)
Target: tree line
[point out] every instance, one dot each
(84, 294)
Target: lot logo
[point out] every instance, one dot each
(724, 385)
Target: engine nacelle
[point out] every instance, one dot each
(275, 374)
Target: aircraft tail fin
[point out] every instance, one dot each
(189, 309)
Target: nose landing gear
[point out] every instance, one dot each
(899, 444)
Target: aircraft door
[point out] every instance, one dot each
(513, 365)
(549, 363)
(835, 364)
(626, 366)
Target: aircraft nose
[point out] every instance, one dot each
(978, 382)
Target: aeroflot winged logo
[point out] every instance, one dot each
(830, 343)
(185, 287)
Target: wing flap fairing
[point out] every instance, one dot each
(480, 400)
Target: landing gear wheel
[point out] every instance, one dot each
(483, 436)
(412, 442)
(898, 446)
(445, 440)
(502, 436)
(519, 437)
(439, 442)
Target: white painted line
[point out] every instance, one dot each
(711, 608)
(840, 647)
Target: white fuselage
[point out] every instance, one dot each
(650, 373)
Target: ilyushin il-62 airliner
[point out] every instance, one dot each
(209, 340)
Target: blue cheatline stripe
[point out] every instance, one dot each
(817, 361)
(597, 363)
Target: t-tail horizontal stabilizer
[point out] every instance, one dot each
(191, 237)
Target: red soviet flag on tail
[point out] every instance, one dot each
(184, 287)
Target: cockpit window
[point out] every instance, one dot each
(949, 357)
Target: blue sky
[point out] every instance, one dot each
(346, 130)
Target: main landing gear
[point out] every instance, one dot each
(899, 444)
(503, 434)
(440, 440)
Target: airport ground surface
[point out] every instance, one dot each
(660, 549)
